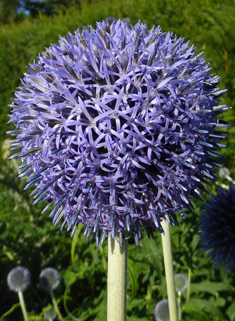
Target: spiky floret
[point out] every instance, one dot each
(116, 127)
(19, 279)
(217, 226)
(49, 279)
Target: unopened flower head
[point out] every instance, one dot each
(19, 279)
(217, 226)
(116, 126)
(50, 315)
(161, 311)
(126, 20)
(110, 20)
(224, 172)
(49, 279)
(181, 283)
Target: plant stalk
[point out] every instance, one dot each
(117, 275)
(179, 306)
(166, 245)
(189, 283)
(22, 304)
(57, 310)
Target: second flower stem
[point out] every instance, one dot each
(57, 310)
(166, 245)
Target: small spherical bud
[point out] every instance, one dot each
(224, 172)
(110, 20)
(161, 311)
(126, 20)
(50, 315)
(49, 279)
(181, 283)
(18, 279)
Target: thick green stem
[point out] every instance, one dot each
(22, 304)
(117, 274)
(166, 244)
(56, 306)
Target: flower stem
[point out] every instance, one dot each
(56, 306)
(22, 304)
(189, 283)
(166, 245)
(179, 305)
(117, 274)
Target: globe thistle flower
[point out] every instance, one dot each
(181, 283)
(49, 279)
(161, 311)
(19, 279)
(216, 228)
(116, 126)
(50, 315)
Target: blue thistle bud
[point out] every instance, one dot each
(50, 315)
(217, 226)
(110, 20)
(19, 279)
(224, 172)
(49, 279)
(117, 127)
(161, 311)
(181, 283)
(126, 20)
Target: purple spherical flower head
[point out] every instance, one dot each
(217, 226)
(116, 127)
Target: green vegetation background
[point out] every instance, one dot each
(30, 240)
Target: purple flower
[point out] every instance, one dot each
(116, 127)
(217, 226)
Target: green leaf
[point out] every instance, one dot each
(132, 273)
(210, 287)
(194, 242)
(206, 305)
(70, 277)
(195, 307)
(231, 311)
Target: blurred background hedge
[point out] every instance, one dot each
(28, 239)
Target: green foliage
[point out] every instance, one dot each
(8, 10)
(29, 239)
